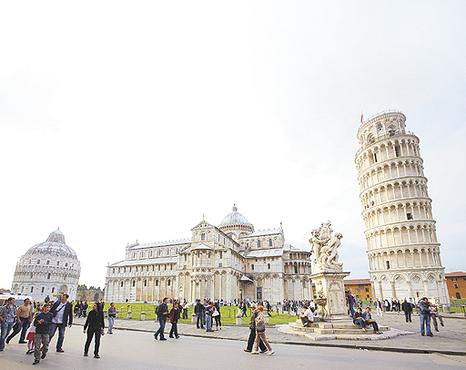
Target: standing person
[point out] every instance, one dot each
(111, 313)
(42, 323)
(208, 317)
(84, 309)
(252, 333)
(162, 314)
(62, 317)
(351, 302)
(174, 316)
(95, 326)
(76, 309)
(216, 317)
(260, 332)
(8, 319)
(199, 312)
(185, 310)
(23, 320)
(378, 307)
(407, 308)
(424, 314)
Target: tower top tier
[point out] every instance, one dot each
(382, 125)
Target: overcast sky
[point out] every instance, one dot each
(129, 120)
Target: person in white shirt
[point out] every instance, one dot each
(307, 317)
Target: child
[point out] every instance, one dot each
(30, 339)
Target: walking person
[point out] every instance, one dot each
(424, 314)
(407, 308)
(111, 313)
(62, 317)
(260, 333)
(435, 315)
(95, 326)
(42, 323)
(8, 320)
(174, 316)
(162, 314)
(23, 320)
(252, 333)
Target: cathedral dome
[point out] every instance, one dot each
(54, 245)
(234, 219)
(47, 269)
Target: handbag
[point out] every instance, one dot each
(215, 314)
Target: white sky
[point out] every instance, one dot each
(129, 120)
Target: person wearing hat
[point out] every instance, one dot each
(24, 319)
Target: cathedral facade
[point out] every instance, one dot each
(229, 261)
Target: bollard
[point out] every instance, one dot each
(143, 316)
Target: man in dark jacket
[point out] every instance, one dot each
(252, 334)
(407, 308)
(162, 314)
(62, 312)
(199, 310)
(42, 323)
(424, 315)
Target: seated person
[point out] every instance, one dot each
(359, 320)
(307, 317)
(368, 318)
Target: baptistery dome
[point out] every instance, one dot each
(47, 269)
(235, 224)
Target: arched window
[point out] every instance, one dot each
(270, 242)
(53, 290)
(295, 268)
(121, 284)
(58, 263)
(202, 236)
(268, 266)
(32, 289)
(252, 266)
(145, 282)
(43, 289)
(134, 283)
(48, 262)
(258, 243)
(168, 282)
(156, 283)
(30, 275)
(38, 261)
(48, 276)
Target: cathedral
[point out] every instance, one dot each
(229, 261)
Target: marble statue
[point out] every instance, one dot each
(325, 248)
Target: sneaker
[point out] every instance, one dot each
(60, 350)
(43, 355)
(246, 350)
(270, 353)
(85, 354)
(96, 356)
(163, 338)
(177, 337)
(254, 352)
(36, 362)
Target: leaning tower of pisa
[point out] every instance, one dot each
(402, 245)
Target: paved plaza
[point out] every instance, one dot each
(132, 350)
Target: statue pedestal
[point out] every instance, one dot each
(330, 286)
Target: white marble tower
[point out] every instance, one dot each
(402, 245)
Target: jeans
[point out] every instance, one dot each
(408, 316)
(208, 322)
(161, 329)
(61, 334)
(200, 321)
(41, 344)
(5, 330)
(425, 324)
(111, 321)
(351, 309)
(96, 333)
(174, 330)
(185, 314)
(21, 326)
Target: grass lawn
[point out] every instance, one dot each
(228, 314)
